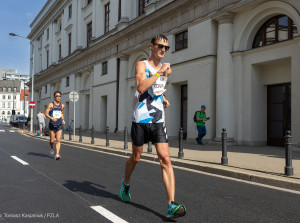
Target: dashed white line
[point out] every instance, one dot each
(11, 131)
(2, 130)
(19, 160)
(107, 214)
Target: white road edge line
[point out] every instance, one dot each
(2, 130)
(107, 214)
(201, 172)
(19, 160)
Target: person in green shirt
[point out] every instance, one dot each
(200, 122)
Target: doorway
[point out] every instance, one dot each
(279, 113)
(183, 112)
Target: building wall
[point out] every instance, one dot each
(219, 66)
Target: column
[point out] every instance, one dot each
(125, 7)
(295, 95)
(225, 78)
(123, 102)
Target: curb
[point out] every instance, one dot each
(217, 169)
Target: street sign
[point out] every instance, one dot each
(73, 96)
(32, 104)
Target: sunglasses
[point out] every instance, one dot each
(160, 46)
(57, 95)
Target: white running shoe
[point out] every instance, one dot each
(57, 157)
(51, 151)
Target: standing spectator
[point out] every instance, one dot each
(200, 122)
(41, 119)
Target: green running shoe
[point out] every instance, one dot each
(124, 192)
(176, 210)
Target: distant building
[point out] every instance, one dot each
(3, 71)
(12, 98)
(14, 76)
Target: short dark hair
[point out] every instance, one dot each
(56, 92)
(157, 37)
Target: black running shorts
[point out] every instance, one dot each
(142, 133)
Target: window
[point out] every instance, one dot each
(47, 33)
(59, 51)
(119, 10)
(141, 7)
(8, 105)
(70, 43)
(3, 104)
(8, 112)
(15, 89)
(9, 89)
(15, 97)
(181, 40)
(4, 89)
(276, 29)
(70, 11)
(15, 105)
(67, 81)
(9, 97)
(59, 25)
(45, 89)
(104, 68)
(3, 97)
(106, 23)
(3, 112)
(47, 58)
(89, 32)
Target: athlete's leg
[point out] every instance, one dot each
(167, 169)
(58, 136)
(52, 134)
(132, 161)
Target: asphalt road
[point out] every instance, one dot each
(65, 190)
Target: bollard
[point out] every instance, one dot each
(93, 135)
(149, 150)
(180, 153)
(288, 170)
(107, 140)
(125, 138)
(224, 159)
(80, 134)
(63, 132)
(70, 134)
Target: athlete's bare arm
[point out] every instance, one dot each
(62, 114)
(49, 108)
(142, 82)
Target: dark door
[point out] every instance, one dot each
(183, 118)
(279, 113)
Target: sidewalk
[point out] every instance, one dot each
(258, 164)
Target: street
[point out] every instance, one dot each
(68, 190)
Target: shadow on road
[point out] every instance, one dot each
(93, 189)
(39, 154)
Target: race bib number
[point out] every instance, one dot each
(159, 86)
(56, 114)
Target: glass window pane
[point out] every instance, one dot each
(270, 32)
(283, 30)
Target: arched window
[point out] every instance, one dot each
(8, 113)
(276, 29)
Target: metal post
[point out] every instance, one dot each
(149, 150)
(63, 132)
(93, 135)
(125, 138)
(107, 140)
(80, 134)
(70, 134)
(224, 159)
(288, 170)
(180, 153)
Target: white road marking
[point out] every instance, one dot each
(107, 214)
(2, 130)
(11, 131)
(19, 160)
